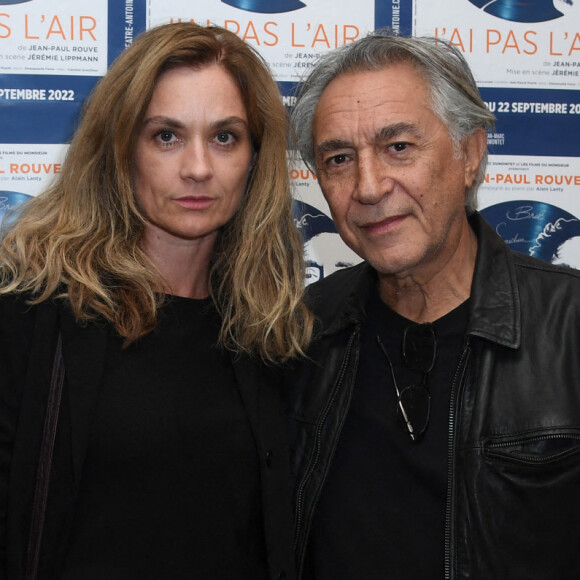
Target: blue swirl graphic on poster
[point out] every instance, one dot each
(520, 10)
(10, 201)
(8, 2)
(266, 6)
(538, 229)
(324, 251)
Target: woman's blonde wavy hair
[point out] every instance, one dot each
(81, 238)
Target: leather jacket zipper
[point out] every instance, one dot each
(450, 504)
(316, 455)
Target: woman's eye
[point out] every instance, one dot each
(224, 137)
(166, 136)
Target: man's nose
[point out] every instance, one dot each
(374, 180)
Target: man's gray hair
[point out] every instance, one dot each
(454, 93)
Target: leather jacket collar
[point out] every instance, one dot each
(495, 302)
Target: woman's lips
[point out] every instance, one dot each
(194, 202)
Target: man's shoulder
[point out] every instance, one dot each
(334, 290)
(348, 276)
(547, 286)
(344, 290)
(534, 267)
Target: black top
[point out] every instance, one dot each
(170, 486)
(382, 509)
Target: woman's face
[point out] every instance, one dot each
(192, 156)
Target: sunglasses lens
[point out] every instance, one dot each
(416, 402)
(419, 347)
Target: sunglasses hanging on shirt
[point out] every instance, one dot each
(414, 401)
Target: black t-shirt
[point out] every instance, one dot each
(382, 509)
(170, 486)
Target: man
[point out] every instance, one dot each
(436, 424)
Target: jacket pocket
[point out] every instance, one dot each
(537, 449)
(519, 506)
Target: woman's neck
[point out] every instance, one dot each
(183, 264)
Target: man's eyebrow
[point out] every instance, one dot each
(331, 145)
(393, 131)
(383, 134)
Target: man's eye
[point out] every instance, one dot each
(399, 146)
(338, 159)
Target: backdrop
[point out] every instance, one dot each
(525, 57)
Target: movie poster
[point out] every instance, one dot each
(525, 57)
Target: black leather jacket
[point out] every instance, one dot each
(513, 502)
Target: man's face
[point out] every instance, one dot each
(393, 179)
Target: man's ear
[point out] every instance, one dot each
(474, 147)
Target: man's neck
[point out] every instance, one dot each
(430, 291)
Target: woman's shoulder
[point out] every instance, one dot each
(22, 304)
(20, 317)
(15, 305)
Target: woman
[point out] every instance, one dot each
(165, 261)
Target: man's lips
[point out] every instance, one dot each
(383, 226)
(194, 202)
